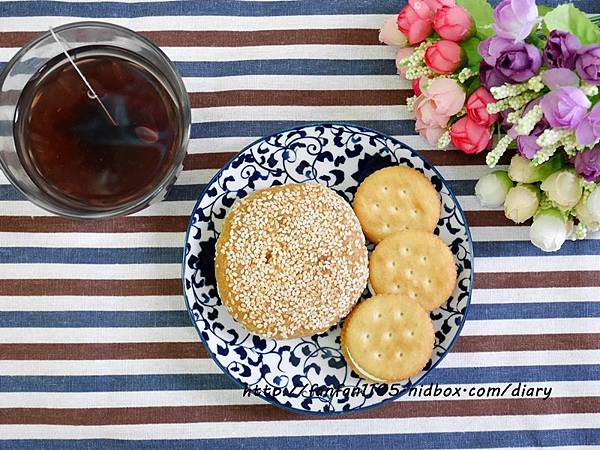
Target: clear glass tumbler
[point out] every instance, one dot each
(106, 39)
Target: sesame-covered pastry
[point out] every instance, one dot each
(291, 260)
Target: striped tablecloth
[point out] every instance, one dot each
(97, 350)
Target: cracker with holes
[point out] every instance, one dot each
(394, 199)
(415, 264)
(387, 338)
(291, 260)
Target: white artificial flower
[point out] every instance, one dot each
(585, 216)
(492, 188)
(563, 188)
(549, 230)
(520, 169)
(521, 202)
(593, 204)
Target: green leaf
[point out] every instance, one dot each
(482, 14)
(471, 49)
(473, 86)
(543, 10)
(568, 18)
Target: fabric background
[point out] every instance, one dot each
(96, 348)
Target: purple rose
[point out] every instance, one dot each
(526, 144)
(587, 63)
(557, 78)
(561, 50)
(514, 19)
(490, 76)
(565, 107)
(588, 130)
(587, 164)
(517, 61)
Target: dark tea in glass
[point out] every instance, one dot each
(71, 148)
(99, 133)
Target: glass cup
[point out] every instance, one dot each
(32, 58)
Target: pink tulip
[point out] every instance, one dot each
(469, 136)
(453, 23)
(430, 123)
(400, 55)
(416, 86)
(447, 96)
(415, 21)
(444, 57)
(391, 35)
(477, 107)
(435, 5)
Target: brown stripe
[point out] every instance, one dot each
(299, 98)
(264, 412)
(37, 287)
(157, 224)
(534, 342)
(51, 224)
(490, 218)
(232, 38)
(178, 350)
(455, 157)
(573, 278)
(142, 350)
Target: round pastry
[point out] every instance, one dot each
(387, 338)
(396, 198)
(291, 260)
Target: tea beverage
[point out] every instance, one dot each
(69, 146)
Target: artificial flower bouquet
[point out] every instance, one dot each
(518, 78)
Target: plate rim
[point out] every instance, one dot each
(271, 400)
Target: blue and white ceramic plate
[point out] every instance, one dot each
(309, 374)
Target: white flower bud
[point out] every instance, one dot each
(520, 169)
(593, 204)
(585, 215)
(521, 202)
(563, 188)
(492, 188)
(549, 230)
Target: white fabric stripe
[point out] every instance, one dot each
(536, 295)
(264, 52)
(172, 208)
(91, 240)
(227, 397)
(105, 335)
(530, 326)
(90, 271)
(202, 23)
(295, 82)
(109, 367)
(512, 233)
(279, 82)
(538, 263)
(203, 176)
(235, 144)
(92, 303)
(355, 427)
(188, 334)
(207, 365)
(302, 113)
